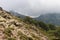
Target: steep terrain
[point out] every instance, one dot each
(52, 18)
(13, 28)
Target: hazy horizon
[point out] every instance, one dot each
(31, 7)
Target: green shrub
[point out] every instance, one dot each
(43, 26)
(23, 37)
(52, 27)
(8, 32)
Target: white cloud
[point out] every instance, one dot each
(32, 7)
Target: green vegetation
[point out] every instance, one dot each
(23, 37)
(11, 38)
(8, 32)
(36, 23)
(52, 27)
(51, 30)
(43, 26)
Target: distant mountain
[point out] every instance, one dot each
(50, 18)
(17, 14)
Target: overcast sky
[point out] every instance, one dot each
(32, 7)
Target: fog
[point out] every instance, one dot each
(32, 8)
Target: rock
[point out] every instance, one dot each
(1, 9)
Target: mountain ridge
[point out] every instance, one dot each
(52, 18)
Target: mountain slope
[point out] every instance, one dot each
(13, 28)
(50, 18)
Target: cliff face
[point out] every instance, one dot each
(13, 28)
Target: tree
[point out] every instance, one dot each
(27, 19)
(43, 26)
(52, 27)
(30, 20)
(57, 33)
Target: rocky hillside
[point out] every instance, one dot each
(13, 28)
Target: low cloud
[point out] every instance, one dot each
(32, 7)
